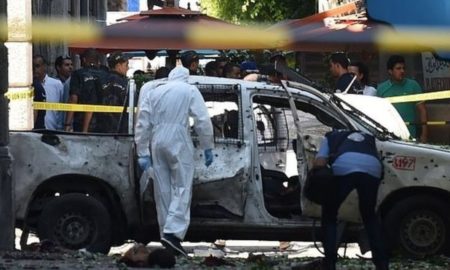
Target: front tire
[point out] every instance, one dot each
(76, 221)
(418, 227)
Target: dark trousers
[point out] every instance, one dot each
(367, 188)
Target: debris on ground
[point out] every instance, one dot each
(15, 260)
(212, 261)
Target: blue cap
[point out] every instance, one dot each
(248, 65)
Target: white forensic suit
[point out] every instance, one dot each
(163, 120)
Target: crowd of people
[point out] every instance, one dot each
(97, 84)
(353, 78)
(91, 84)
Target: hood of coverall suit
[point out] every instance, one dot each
(179, 74)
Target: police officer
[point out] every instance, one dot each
(354, 159)
(85, 88)
(190, 60)
(114, 93)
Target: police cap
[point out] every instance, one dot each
(116, 58)
(188, 57)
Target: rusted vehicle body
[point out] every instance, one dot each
(85, 191)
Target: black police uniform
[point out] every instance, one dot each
(86, 84)
(114, 93)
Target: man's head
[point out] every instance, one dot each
(190, 60)
(221, 62)
(162, 72)
(396, 68)
(64, 66)
(118, 62)
(231, 70)
(361, 71)
(90, 58)
(212, 69)
(39, 67)
(338, 64)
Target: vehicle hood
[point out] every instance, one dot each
(380, 110)
(425, 147)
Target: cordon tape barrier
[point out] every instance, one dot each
(49, 106)
(26, 94)
(421, 97)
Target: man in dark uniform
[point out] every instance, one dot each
(85, 88)
(354, 159)
(114, 93)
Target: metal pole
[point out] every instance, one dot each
(6, 192)
(131, 94)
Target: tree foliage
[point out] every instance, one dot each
(258, 11)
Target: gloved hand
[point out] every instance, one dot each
(144, 162)
(208, 157)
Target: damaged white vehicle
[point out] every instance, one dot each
(83, 190)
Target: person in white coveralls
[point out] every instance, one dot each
(162, 128)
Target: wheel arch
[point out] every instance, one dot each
(79, 183)
(404, 193)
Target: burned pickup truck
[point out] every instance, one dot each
(83, 190)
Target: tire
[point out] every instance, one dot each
(418, 227)
(76, 221)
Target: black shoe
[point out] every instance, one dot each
(382, 266)
(328, 265)
(170, 241)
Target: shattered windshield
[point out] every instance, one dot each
(367, 122)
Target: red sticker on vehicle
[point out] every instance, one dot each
(404, 163)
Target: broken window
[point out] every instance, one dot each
(223, 102)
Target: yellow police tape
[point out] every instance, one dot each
(428, 123)
(421, 97)
(76, 107)
(26, 94)
(18, 95)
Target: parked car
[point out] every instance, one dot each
(84, 190)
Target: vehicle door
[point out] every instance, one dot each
(219, 190)
(314, 116)
(288, 133)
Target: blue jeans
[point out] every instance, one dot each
(367, 187)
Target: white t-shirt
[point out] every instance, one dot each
(369, 91)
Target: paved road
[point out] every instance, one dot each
(238, 253)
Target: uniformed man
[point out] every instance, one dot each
(354, 159)
(85, 88)
(190, 60)
(114, 93)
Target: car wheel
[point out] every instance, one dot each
(418, 227)
(76, 221)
